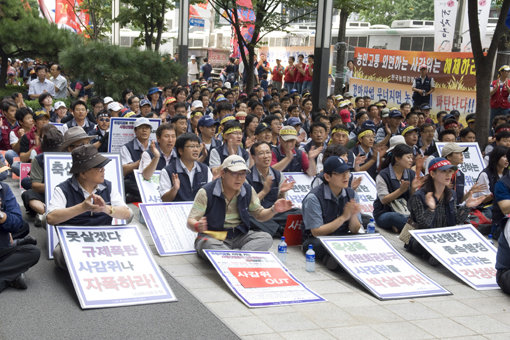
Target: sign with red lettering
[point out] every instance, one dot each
(259, 279)
(366, 191)
(293, 231)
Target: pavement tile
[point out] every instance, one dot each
(328, 287)
(200, 281)
(443, 327)
(273, 310)
(355, 332)
(307, 335)
(214, 294)
(325, 314)
(177, 270)
(247, 325)
(170, 260)
(401, 330)
(471, 337)
(350, 299)
(502, 317)
(461, 291)
(229, 309)
(500, 336)
(489, 305)
(373, 314)
(413, 311)
(450, 307)
(288, 322)
(270, 336)
(482, 324)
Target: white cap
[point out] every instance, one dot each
(197, 103)
(142, 121)
(234, 163)
(193, 57)
(59, 104)
(114, 106)
(107, 100)
(396, 140)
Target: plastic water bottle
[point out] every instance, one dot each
(282, 250)
(371, 227)
(310, 259)
(489, 237)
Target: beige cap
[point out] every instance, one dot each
(288, 132)
(234, 163)
(451, 148)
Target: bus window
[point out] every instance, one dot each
(362, 42)
(429, 44)
(417, 44)
(405, 43)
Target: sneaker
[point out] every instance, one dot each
(19, 282)
(38, 221)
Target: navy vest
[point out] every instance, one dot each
(75, 196)
(393, 184)
(422, 85)
(257, 184)
(296, 165)
(498, 218)
(503, 254)
(186, 192)
(224, 153)
(372, 171)
(451, 217)
(214, 144)
(331, 207)
(459, 186)
(136, 154)
(216, 207)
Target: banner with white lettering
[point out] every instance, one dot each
(56, 171)
(122, 131)
(464, 251)
(112, 266)
(149, 189)
(167, 223)
(24, 171)
(373, 262)
(473, 162)
(366, 192)
(445, 16)
(259, 279)
(301, 187)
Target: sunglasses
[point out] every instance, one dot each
(104, 120)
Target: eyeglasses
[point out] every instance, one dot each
(237, 174)
(104, 120)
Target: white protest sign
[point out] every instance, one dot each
(59, 126)
(301, 187)
(167, 225)
(445, 16)
(366, 192)
(122, 131)
(464, 251)
(56, 171)
(112, 266)
(373, 262)
(473, 163)
(149, 189)
(259, 279)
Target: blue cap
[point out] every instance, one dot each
(448, 117)
(396, 114)
(425, 107)
(293, 121)
(144, 102)
(267, 98)
(293, 91)
(153, 90)
(207, 121)
(368, 125)
(440, 163)
(335, 164)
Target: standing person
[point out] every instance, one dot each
(423, 86)
(277, 75)
(205, 70)
(500, 90)
(59, 81)
(300, 74)
(192, 69)
(41, 84)
(290, 74)
(349, 70)
(308, 77)
(262, 66)
(221, 211)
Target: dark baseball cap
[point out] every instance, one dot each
(207, 121)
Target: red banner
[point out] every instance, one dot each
(262, 277)
(68, 16)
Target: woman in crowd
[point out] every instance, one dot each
(46, 102)
(250, 125)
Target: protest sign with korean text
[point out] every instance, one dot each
(122, 131)
(24, 171)
(473, 162)
(464, 251)
(149, 189)
(366, 192)
(373, 262)
(301, 187)
(59, 126)
(259, 279)
(167, 223)
(56, 171)
(112, 266)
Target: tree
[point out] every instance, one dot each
(384, 12)
(484, 61)
(148, 16)
(24, 34)
(100, 14)
(266, 18)
(115, 68)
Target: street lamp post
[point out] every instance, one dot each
(115, 25)
(321, 53)
(183, 38)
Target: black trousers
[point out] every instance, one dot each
(15, 261)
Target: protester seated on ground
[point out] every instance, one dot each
(426, 142)
(184, 175)
(34, 198)
(434, 206)
(25, 119)
(131, 154)
(390, 129)
(160, 152)
(395, 184)
(18, 252)
(445, 136)
(263, 133)
(207, 127)
(410, 134)
(180, 123)
(372, 156)
(338, 151)
(340, 136)
(467, 135)
(101, 131)
(227, 226)
(85, 199)
(330, 209)
(270, 185)
(30, 143)
(288, 158)
(232, 145)
(502, 138)
(8, 123)
(79, 111)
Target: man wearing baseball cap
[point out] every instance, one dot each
(330, 209)
(384, 133)
(288, 158)
(500, 89)
(207, 127)
(221, 211)
(423, 86)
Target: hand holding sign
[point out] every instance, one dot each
(282, 205)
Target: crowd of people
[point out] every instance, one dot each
(226, 150)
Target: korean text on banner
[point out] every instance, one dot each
(149, 189)
(473, 162)
(122, 131)
(464, 251)
(56, 171)
(374, 263)
(167, 223)
(259, 279)
(301, 187)
(112, 266)
(366, 192)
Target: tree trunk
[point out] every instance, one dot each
(160, 26)
(483, 79)
(340, 52)
(3, 72)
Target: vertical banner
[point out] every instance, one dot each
(464, 251)
(445, 16)
(246, 16)
(366, 192)
(122, 131)
(149, 189)
(65, 15)
(373, 262)
(301, 187)
(167, 223)
(56, 171)
(112, 266)
(473, 162)
(484, 7)
(259, 279)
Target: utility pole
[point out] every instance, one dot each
(459, 23)
(115, 25)
(183, 39)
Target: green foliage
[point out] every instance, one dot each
(100, 12)
(386, 11)
(8, 90)
(115, 68)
